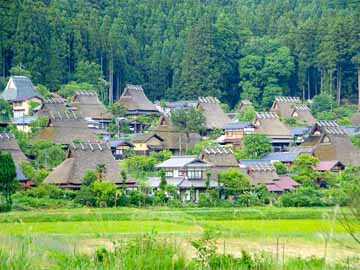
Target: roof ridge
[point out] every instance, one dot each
(92, 146)
(85, 93)
(134, 87)
(287, 99)
(214, 150)
(266, 115)
(209, 99)
(6, 135)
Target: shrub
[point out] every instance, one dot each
(104, 193)
(280, 167)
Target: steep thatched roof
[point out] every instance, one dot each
(134, 99)
(66, 127)
(303, 113)
(270, 125)
(215, 117)
(262, 173)
(283, 106)
(220, 159)
(19, 88)
(244, 104)
(331, 142)
(89, 105)
(9, 144)
(172, 137)
(82, 158)
(52, 106)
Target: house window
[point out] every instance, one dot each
(18, 103)
(19, 113)
(119, 151)
(169, 174)
(194, 174)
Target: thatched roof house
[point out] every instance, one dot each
(52, 106)
(19, 88)
(269, 124)
(283, 106)
(331, 142)
(134, 99)
(90, 106)
(174, 140)
(262, 173)
(8, 144)
(215, 117)
(81, 158)
(220, 159)
(64, 128)
(303, 113)
(244, 104)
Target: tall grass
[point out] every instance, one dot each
(151, 253)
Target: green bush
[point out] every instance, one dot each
(50, 191)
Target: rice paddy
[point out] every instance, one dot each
(293, 232)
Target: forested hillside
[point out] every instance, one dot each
(232, 49)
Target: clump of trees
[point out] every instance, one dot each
(255, 147)
(7, 181)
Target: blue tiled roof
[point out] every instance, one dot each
(25, 120)
(281, 156)
(115, 143)
(20, 175)
(237, 125)
(24, 89)
(248, 162)
(351, 130)
(299, 131)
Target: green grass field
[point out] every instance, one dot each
(296, 231)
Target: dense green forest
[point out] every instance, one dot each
(180, 49)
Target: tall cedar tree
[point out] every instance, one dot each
(200, 68)
(7, 179)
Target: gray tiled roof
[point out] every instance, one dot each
(24, 89)
(237, 125)
(180, 162)
(281, 156)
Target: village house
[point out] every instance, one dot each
(265, 174)
(187, 173)
(269, 124)
(284, 106)
(66, 127)
(147, 143)
(220, 159)
(52, 105)
(244, 104)
(24, 123)
(21, 94)
(82, 157)
(119, 148)
(234, 133)
(135, 101)
(302, 113)
(8, 144)
(330, 142)
(334, 166)
(215, 117)
(89, 105)
(173, 139)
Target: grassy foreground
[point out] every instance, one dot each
(270, 233)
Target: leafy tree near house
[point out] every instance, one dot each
(255, 147)
(247, 115)
(163, 182)
(101, 171)
(323, 103)
(235, 182)
(7, 180)
(188, 121)
(304, 168)
(280, 168)
(5, 111)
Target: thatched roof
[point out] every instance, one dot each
(331, 142)
(19, 88)
(172, 137)
(303, 113)
(134, 99)
(82, 158)
(66, 127)
(215, 117)
(283, 106)
(220, 159)
(9, 144)
(52, 106)
(270, 125)
(89, 105)
(244, 104)
(262, 173)
(337, 147)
